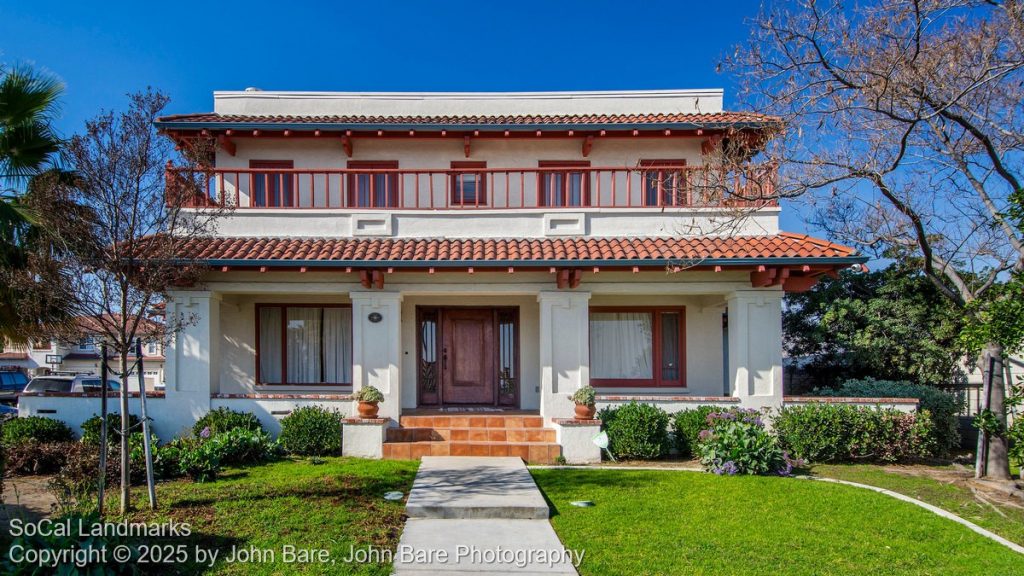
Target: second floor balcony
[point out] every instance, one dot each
(470, 186)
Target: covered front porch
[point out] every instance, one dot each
(488, 344)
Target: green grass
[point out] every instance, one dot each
(1006, 521)
(653, 522)
(329, 506)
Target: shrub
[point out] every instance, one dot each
(311, 431)
(240, 446)
(943, 407)
(636, 431)
(224, 419)
(38, 428)
(739, 444)
(91, 428)
(369, 394)
(686, 427)
(199, 460)
(1016, 438)
(836, 433)
(167, 459)
(35, 457)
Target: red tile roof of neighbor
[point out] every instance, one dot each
(502, 251)
(713, 118)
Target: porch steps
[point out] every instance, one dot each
(516, 435)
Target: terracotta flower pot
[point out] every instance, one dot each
(584, 412)
(368, 409)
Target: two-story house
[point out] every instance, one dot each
(478, 257)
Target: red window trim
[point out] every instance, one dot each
(481, 187)
(284, 338)
(272, 165)
(656, 351)
(585, 192)
(392, 192)
(662, 163)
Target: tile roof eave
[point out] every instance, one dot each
(373, 263)
(339, 127)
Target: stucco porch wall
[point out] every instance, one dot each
(271, 409)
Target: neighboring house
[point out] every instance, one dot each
(474, 253)
(81, 356)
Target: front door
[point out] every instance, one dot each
(471, 352)
(467, 357)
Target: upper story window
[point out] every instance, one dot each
(663, 186)
(372, 189)
(272, 189)
(86, 343)
(42, 344)
(152, 349)
(564, 187)
(637, 346)
(469, 188)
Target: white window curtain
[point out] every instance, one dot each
(338, 345)
(304, 345)
(270, 345)
(621, 345)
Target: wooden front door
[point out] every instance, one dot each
(467, 357)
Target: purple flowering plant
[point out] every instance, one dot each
(736, 442)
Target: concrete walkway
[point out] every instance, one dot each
(478, 516)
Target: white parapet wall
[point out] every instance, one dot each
(74, 409)
(576, 437)
(272, 408)
(363, 437)
(668, 403)
(901, 404)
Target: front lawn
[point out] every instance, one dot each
(329, 506)
(654, 522)
(942, 486)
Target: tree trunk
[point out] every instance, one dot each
(993, 460)
(125, 431)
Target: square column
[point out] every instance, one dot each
(377, 347)
(755, 347)
(192, 367)
(564, 350)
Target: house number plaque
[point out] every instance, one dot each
(374, 317)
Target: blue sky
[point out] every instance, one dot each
(189, 49)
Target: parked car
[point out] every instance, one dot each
(74, 384)
(11, 384)
(7, 411)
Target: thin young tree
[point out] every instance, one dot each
(120, 162)
(904, 133)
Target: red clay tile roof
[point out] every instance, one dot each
(13, 355)
(715, 118)
(500, 251)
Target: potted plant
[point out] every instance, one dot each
(585, 399)
(368, 397)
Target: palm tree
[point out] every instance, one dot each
(29, 150)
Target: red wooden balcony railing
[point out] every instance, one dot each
(476, 188)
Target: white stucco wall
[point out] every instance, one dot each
(434, 153)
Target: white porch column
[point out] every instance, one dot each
(755, 347)
(564, 350)
(192, 367)
(377, 347)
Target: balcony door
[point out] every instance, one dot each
(562, 185)
(273, 188)
(373, 189)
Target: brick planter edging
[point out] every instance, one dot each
(374, 421)
(848, 400)
(656, 398)
(575, 422)
(282, 396)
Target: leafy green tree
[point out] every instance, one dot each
(890, 324)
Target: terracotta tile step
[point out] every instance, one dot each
(471, 434)
(517, 421)
(532, 452)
